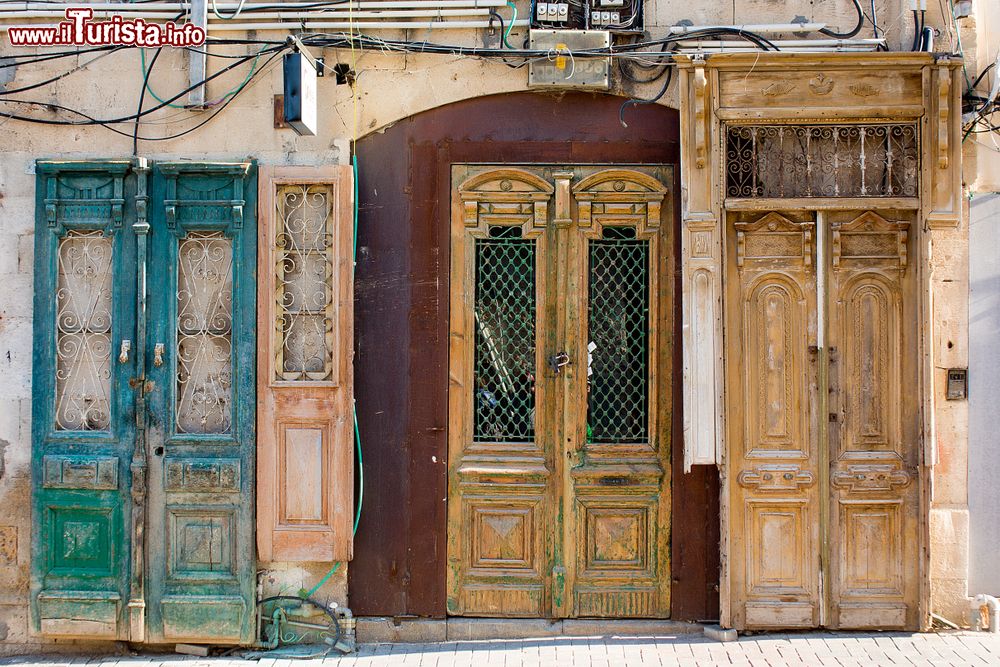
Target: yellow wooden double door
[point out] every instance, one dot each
(823, 420)
(560, 359)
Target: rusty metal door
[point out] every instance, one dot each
(559, 424)
(823, 433)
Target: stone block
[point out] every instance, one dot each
(597, 627)
(465, 629)
(15, 357)
(8, 253)
(26, 253)
(384, 630)
(16, 298)
(949, 543)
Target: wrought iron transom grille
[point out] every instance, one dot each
(878, 160)
(618, 326)
(504, 397)
(304, 294)
(204, 333)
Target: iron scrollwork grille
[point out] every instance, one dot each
(304, 276)
(204, 333)
(504, 365)
(83, 332)
(859, 160)
(618, 328)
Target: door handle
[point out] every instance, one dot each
(158, 355)
(123, 352)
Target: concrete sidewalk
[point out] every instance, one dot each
(767, 650)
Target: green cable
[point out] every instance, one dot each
(234, 91)
(510, 26)
(357, 431)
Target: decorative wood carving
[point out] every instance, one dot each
(499, 195)
(774, 236)
(821, 84)
(700, 114)
(944, 108)
(871, 477)
(619, 196)
(863, 90)
(870, 237)
(777, 89)
(776, 478)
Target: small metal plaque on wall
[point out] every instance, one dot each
(564, 66)
(958, 384)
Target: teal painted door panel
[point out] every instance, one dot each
(144, 404)
(202, 404)
(83, 420)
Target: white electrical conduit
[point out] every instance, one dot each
(293, 18)
(783, 44)
(226, 26)
(177, 7)
(762, 29)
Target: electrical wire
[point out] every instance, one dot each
(59, 76)
(130, 118)
(239, 9)
(32, 59)
(513, 18)
(651, 100)
(142, 98)
(857, 28)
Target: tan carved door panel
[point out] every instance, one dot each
(873, 423)
(823, 435)
(560, 395)
(774, 461)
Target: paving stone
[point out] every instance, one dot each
(762, 650)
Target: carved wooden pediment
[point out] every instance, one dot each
(870, 237)
(503, 196)
(773, 236)
(619, 196)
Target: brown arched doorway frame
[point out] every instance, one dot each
(401, 311)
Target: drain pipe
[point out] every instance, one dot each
(990, 602)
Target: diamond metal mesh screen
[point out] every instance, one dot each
(822, 160)
(618, 316)
(504, 397)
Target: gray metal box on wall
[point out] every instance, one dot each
(563, 68)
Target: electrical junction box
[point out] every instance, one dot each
(563, 67)
(300, 93)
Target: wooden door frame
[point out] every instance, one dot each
(559, 478)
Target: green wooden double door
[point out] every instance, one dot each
(144, 405)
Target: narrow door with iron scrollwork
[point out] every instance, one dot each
(201, 367)
(560, 392)
(83, 412)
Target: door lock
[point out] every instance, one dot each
(158, 355)
(123, 353)
(558, 360)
